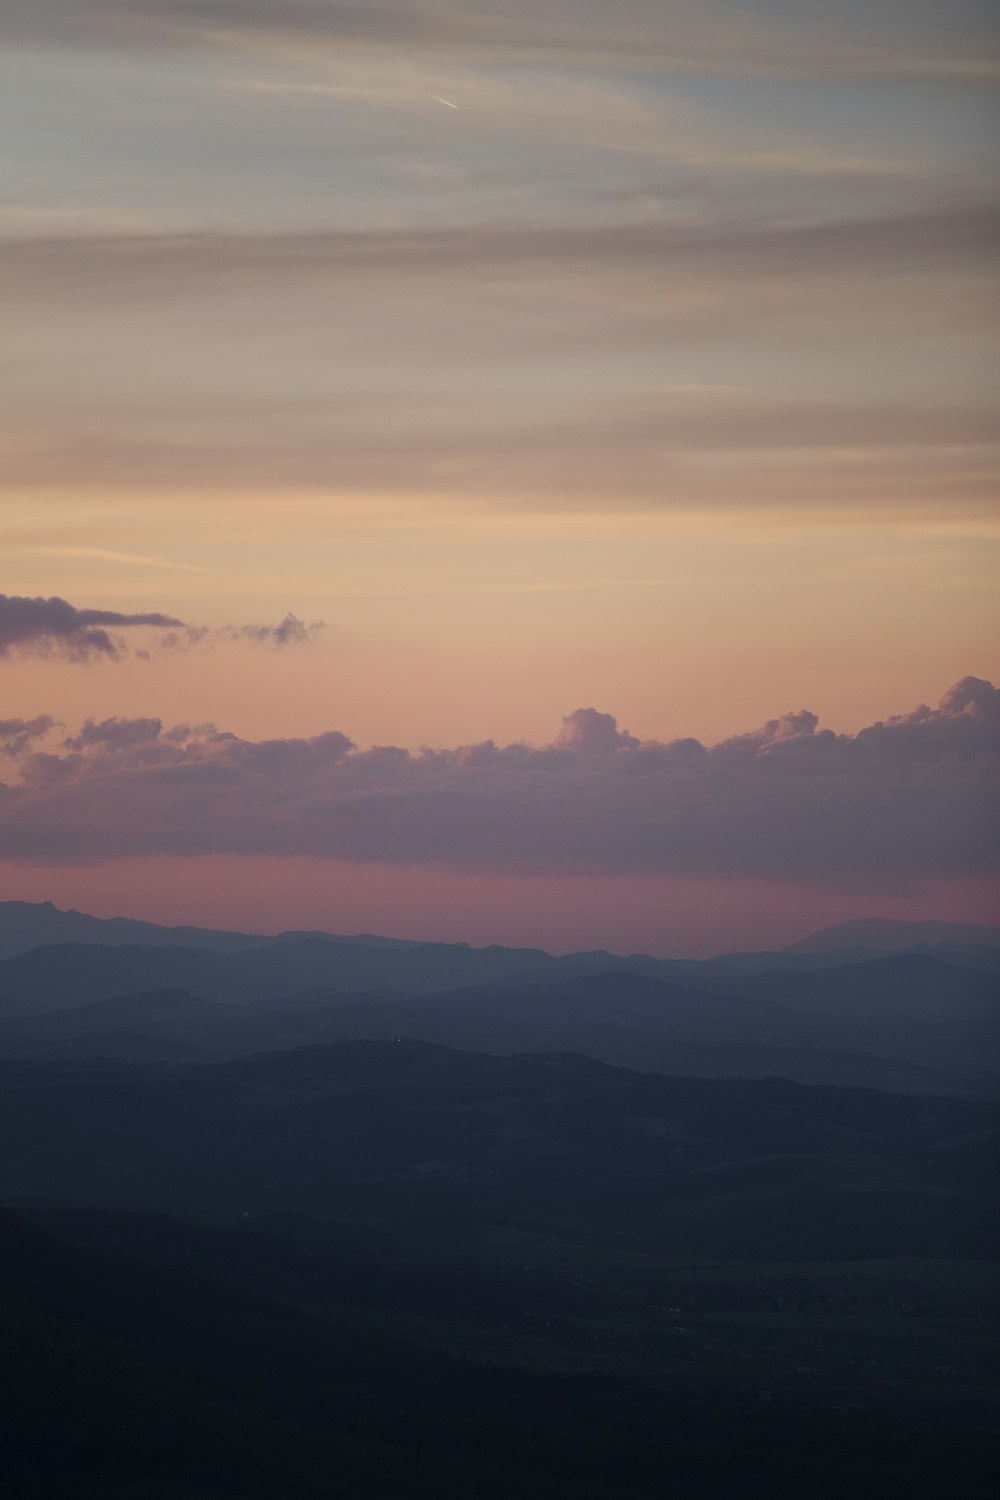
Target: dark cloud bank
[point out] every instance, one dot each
(51, 627)
(908, 799)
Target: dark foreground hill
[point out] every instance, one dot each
(415, 1134)
(123, 1382)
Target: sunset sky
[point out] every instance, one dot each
(593, 384)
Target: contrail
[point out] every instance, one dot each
(438, 100)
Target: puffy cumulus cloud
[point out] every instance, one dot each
(908, 798)
(115, 733)
(18, 735)
(52, 627)
(594, 733)
(47, 627)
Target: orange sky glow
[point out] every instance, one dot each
(657, 376)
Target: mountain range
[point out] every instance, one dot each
(918, 1021)
(441, 1220)
(26, 924)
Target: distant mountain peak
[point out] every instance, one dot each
(879, 934)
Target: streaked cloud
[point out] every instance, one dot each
(127, 559)
(762, 38)
(290, 631)
(660, 454)
(52, 627)
(934, 237)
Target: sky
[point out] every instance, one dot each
(516, 472)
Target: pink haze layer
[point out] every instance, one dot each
(665, 916)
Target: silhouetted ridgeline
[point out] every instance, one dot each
(916, 1021)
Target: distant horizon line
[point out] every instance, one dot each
(845, 927)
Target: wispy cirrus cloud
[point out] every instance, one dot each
(53, 627)
(909, 798)
(448, 309)
(763, 38)
(933, 236)
(127, 559)
(291, 631)
(659, 453)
